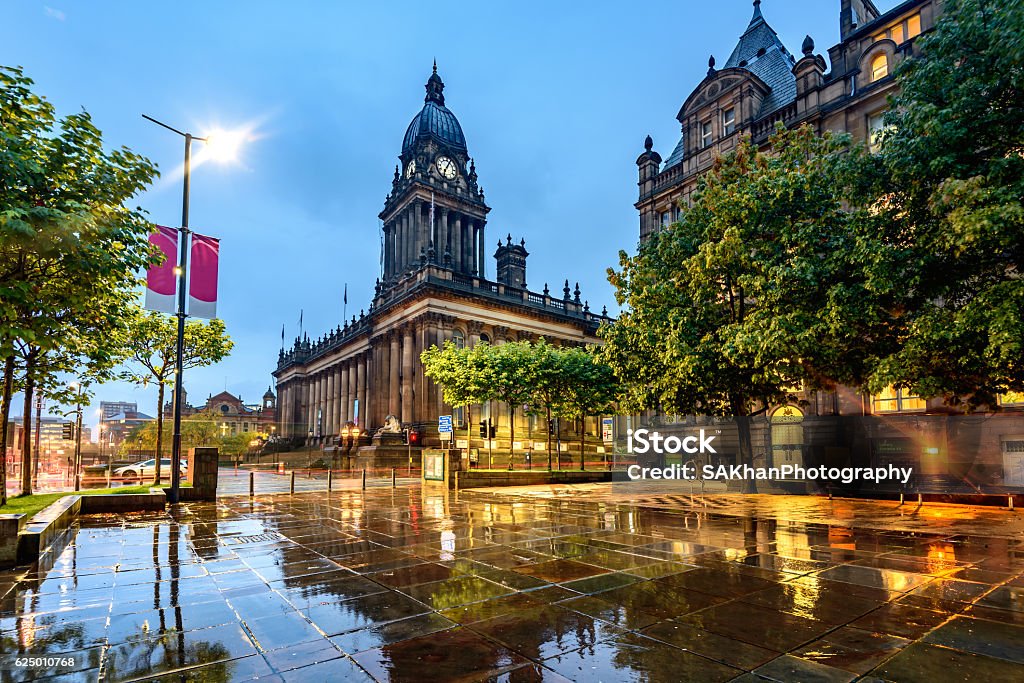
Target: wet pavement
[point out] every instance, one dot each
(416, 585)
(235, 482)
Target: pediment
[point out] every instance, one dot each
(715, 86)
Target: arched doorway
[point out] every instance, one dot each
(787, 434)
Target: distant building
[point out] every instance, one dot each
(115, 429)
(234, 415)
(52, 446)
(110, 408)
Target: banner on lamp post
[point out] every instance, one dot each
(160, 279)
(202, 285)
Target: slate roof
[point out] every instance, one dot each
(761, 52)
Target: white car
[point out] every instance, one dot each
(147, 468)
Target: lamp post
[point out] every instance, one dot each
(183, 241)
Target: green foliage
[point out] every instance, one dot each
(149, 346)
(196, 430)
(70, 247)
(752, 293)
(948, 245)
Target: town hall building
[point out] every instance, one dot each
(437, 285)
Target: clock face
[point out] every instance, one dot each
(410, 169)
(446, 167)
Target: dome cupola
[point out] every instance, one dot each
(435, 120)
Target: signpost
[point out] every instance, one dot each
(444, 427)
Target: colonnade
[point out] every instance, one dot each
(410, 230)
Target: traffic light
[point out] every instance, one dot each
(414, 437)
(493, 430)
(483, 429)
(67, 431)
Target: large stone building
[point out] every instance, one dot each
(435, 287)
(763, 83)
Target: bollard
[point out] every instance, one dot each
(364, 477)
(252, 483)
(330, 479)
(1011, 502)
(394, 478)
(293, 482)
(901, 498)
(920, 500)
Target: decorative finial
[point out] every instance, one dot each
(711, 65)
(509, 238)
(522, 242)
(808, 46)
(648, 144)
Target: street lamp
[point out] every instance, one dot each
(222, 146)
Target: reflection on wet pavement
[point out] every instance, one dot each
(402, 584)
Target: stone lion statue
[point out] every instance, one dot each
(391, 426)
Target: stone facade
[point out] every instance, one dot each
(761, 84)
(433, 289)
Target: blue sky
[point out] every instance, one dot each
(555, 100)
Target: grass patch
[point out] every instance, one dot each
(30, 505)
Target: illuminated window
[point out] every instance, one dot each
(879, 67)
(893, 400)
(729, 121)
(876, 124)
(705, 134)
(914, 26)
(903, 31)
(1012, 398)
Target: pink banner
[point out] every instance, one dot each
(202, 286)
(160, 280)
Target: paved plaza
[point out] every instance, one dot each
(571, 583)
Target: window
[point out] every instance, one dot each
(903, 31)
(705, 134)
(729, 121)
(1012, 398)
(876, 124)
(666, 219)
(458, 339)
(879, 67)
(485, 339)
(893, 400)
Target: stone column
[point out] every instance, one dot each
(407, 374)
(338, 400)
(481, 256)
(322, 407)
(387, 250)
(360, 413)
(364, 396)
(310, 406)
(440, 239)
(380, 388)
(343, 396)
(352, 389)
(394, 374)
(331, 401)
(458, 263)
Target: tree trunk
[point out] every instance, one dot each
(511, 433)
(746, 451)
(5, 423)
(548, 428)
(159, 431)
(583, 442)
(26, 432)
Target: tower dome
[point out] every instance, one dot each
(434, 120)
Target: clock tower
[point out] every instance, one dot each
(435, 213)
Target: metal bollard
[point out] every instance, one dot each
(330, 479)
(252, 483)
(292, 482)
(364, 477)
(901, 498)
(394, 478)
(1011, 502)
(920, 500)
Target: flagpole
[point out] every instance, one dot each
(344, 305)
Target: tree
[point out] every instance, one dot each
(948, 245)
(589, 388)
(150, 348)
(196, 430)
(754, 291)
(70, 248)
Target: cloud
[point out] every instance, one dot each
(55, 13)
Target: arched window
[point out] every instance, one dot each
(458, 339)
(485, 339)
(879, 67)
